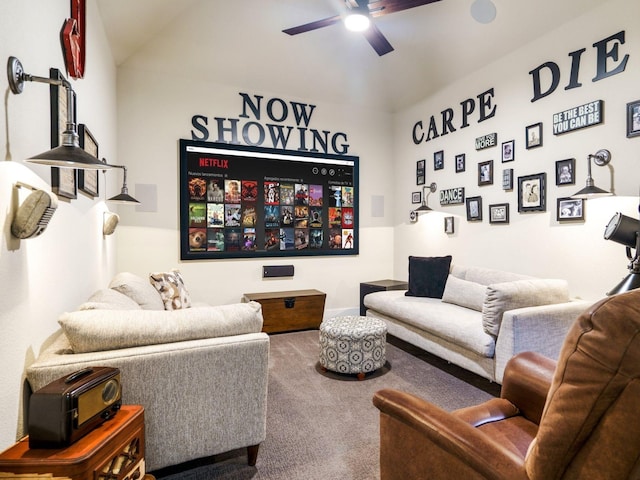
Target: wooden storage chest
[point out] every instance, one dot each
(289, 310)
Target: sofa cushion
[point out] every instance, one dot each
(172, 290)
(109, 299)
(505, 296)
(428, 276)
(138, 289)
(486, 276)
(461, 326)
(464, 293)
(98, 330)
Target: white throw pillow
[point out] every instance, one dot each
(138, 289)
(109, 299)
(502, 297)
(464, 293)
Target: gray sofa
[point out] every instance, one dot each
(199, 372)
(484, 318)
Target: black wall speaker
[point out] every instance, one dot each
(277, 271)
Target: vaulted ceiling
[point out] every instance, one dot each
(240, 43)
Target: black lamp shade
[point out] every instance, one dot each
(622, 229)
(630, 282)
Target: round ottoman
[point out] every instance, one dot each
(353, 344)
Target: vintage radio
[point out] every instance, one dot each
(68, 408)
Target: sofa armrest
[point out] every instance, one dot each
(539, 329)
(420, 440)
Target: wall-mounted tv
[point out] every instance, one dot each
(240, 201)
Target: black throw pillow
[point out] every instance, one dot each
(428, 276)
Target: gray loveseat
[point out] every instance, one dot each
(484, 318)
(199, 372)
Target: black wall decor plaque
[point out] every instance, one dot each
(578, 117)
(487, 141)
(241, 202)
(452, 196)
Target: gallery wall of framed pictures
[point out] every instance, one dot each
(532, 189)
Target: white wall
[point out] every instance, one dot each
(533, 243)
(155, 110)
(45, 276)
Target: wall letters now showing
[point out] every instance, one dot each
(244, 202)
(578, 117)
(274, 133)
(452, 196)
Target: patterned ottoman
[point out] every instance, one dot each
(353, 344)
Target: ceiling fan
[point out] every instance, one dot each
(370, 9)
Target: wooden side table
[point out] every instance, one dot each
(113, 451)
(379, 286)
(289, 310)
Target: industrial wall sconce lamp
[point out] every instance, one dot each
(123, 196)
(626, 231)
(34, 214)
(600, 158)
(69, 154)
(425, 196)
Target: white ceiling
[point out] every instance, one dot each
(240, 43)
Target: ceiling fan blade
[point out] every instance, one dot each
(377, 40)
(307, 27)
(385, 7)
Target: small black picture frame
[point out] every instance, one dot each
(565, 172)
(460, 162)
(485, 173)
(532, 193)
(474, 209)
(533, 135)
(438, 160)
(508, 151)
(449, 225)
(507, 179)
(88, 179)
(416, 197)
(570, 209)
(633, 119)
(420, 172)
(499, 213)
(63, 180)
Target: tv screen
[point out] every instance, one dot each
(239, 202)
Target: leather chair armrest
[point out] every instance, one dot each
(492, 410)
(527, 380)
(420, 440)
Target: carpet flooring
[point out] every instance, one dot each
(324, 425)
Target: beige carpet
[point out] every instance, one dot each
(324, 426)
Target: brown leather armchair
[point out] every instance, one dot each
(577, 419)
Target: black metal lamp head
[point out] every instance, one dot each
(425, 207)
(626, 231)
(600, 158)
(69, 154)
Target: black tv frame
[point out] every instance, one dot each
(205, 166)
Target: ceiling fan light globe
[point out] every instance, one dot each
(357, 22)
